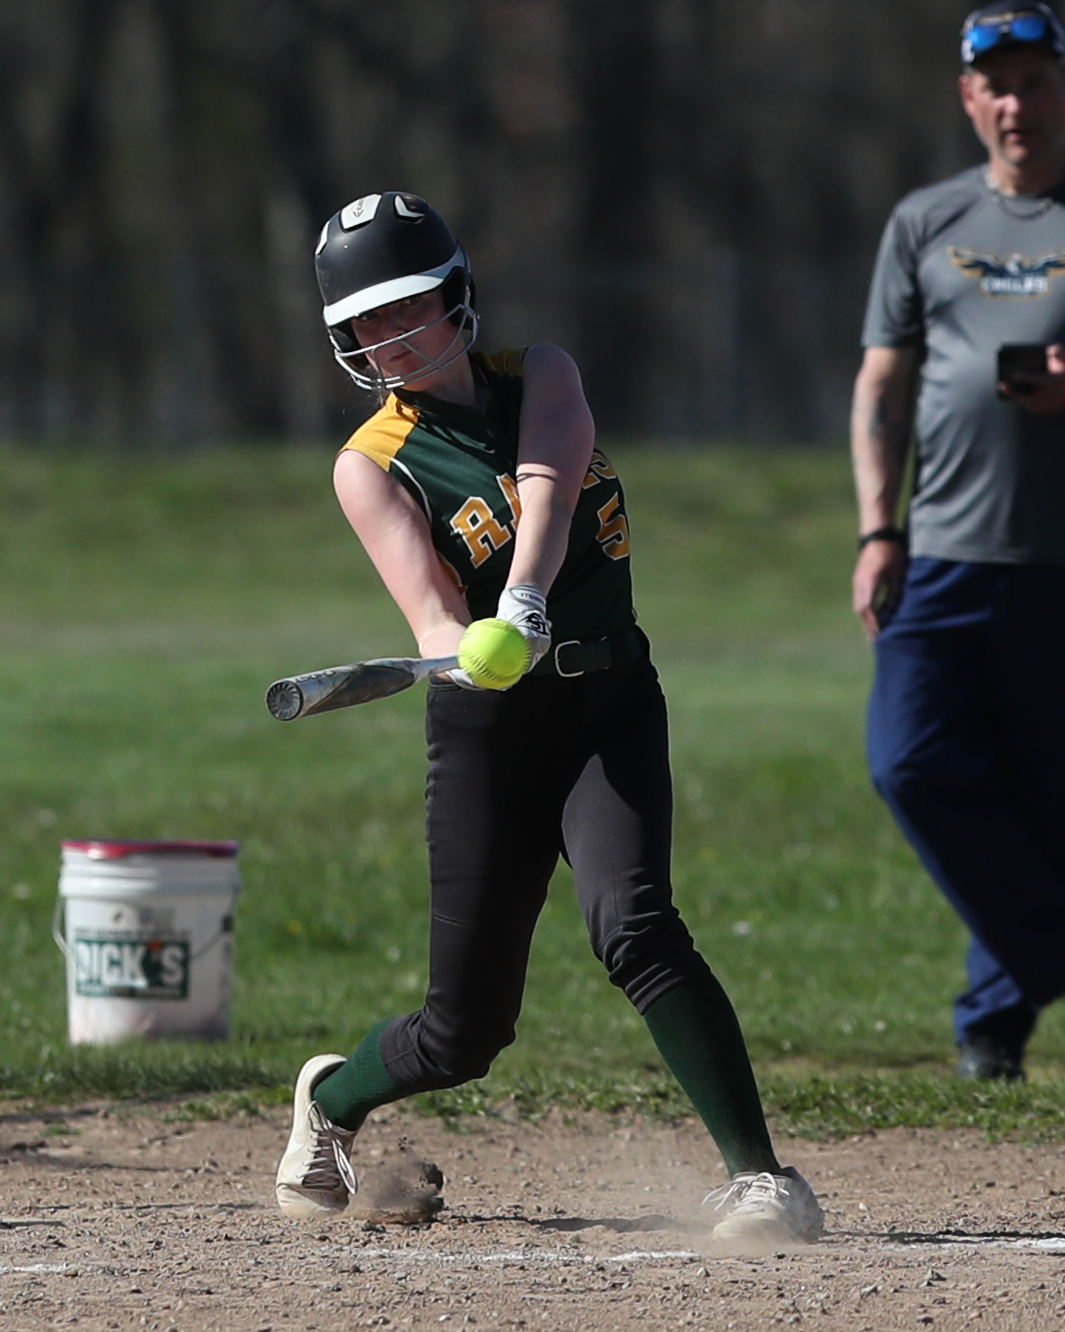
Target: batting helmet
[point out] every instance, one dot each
(383, 248)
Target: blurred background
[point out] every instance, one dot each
(687, 194)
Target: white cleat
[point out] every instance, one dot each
(315, 1177)
(765, 1212)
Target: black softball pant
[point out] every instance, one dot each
(577, 767)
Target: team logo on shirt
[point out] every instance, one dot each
(483, 530)
(1016, 275)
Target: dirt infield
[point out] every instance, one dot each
(120, 1218)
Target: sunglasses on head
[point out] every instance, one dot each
(988, 33)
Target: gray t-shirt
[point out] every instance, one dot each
(961, 271)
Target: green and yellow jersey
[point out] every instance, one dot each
(459, 464)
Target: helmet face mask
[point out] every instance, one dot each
(358, 360)
(385, 248)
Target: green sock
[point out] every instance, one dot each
(698, 1035)
(359, 1085)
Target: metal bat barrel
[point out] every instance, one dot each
(345, 686)
(284, 698)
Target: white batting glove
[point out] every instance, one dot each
(525, 607)
(460, 677)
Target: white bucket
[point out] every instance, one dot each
(148, 938)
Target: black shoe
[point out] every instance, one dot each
(985, 1059)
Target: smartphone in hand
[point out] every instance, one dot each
(1021, 358)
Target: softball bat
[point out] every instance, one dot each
(344, 686)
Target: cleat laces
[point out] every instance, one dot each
(750, 1193)
(330, 1167)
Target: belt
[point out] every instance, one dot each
(598, 654)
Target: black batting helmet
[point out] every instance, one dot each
(383, 248)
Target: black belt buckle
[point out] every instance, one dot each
(567, 675)
(595, 655)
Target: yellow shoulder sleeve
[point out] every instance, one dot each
(509, 362)
(384, 434)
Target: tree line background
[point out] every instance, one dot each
(687, 194)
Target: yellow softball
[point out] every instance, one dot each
(493, 654)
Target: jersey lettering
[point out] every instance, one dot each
(613, 533)
(509, 487)
(478, 528)
(599, 469)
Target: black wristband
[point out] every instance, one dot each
(883, 534)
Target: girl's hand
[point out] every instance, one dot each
(525, 607)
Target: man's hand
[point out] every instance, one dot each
(877, 582)
(1041, 394)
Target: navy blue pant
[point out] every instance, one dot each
(966, 741)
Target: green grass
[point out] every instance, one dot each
(146, 601)
(817, 1105)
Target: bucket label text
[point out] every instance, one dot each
(116, 966)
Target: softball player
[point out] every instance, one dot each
(571, 760)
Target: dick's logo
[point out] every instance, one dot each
(116, 966)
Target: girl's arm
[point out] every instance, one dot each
(396, 536)
(554, 449)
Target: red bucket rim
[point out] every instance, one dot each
(114, 849)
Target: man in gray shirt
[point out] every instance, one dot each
(966, 731)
